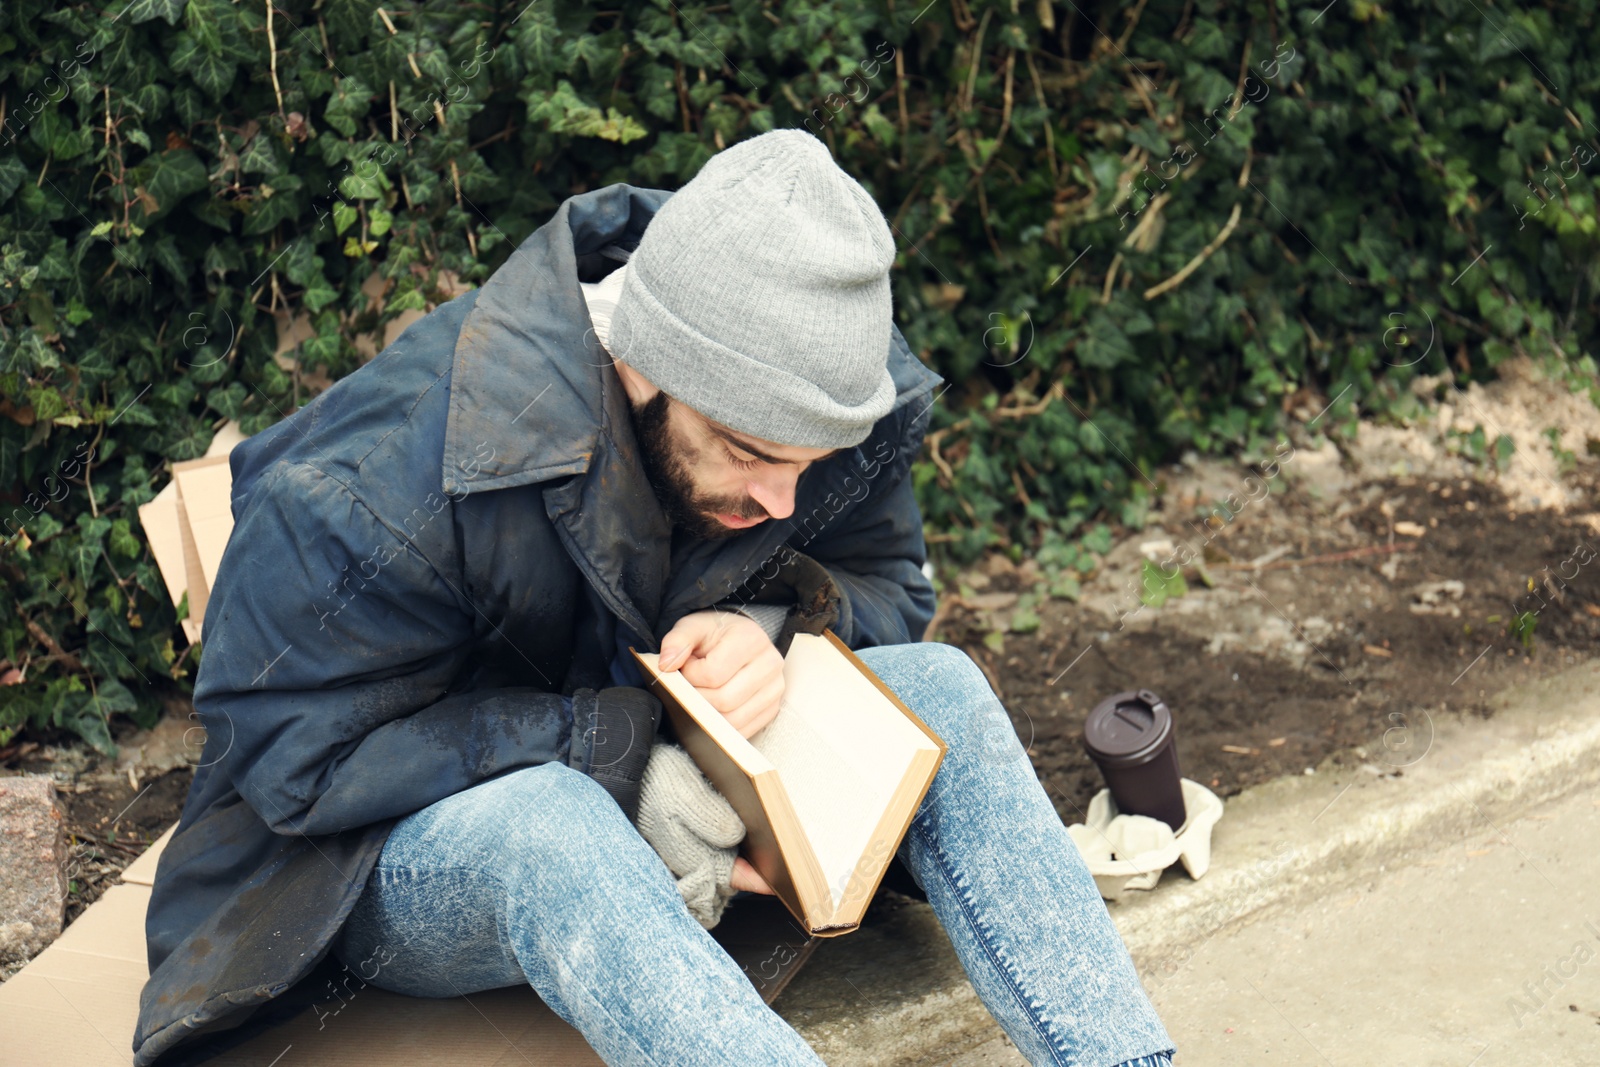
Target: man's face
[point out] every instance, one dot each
(713, 481)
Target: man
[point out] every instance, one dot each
(677, 421)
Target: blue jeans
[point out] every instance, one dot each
(537, 877)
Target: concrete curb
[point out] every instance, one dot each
(894, 993)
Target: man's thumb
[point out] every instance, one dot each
(681, 641)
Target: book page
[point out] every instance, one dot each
(841, 749)
(723, 732)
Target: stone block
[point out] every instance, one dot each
(33, 866)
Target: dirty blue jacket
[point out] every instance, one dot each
(434, 567)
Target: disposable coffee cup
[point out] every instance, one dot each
(1130, 738)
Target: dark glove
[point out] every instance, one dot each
(791, 577)
(612, 731)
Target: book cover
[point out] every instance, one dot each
(827, 790)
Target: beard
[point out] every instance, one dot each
(667, 470)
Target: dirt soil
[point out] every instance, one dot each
(111, 817)
(1377, 674)
(112, 824)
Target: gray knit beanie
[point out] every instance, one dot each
(759, 296)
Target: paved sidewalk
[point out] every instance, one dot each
(1485, 952)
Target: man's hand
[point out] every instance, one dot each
(747, 878)
(730, 659)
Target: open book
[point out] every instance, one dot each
(827, 789)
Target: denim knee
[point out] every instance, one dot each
(549, 819)
(451, 875)
(927, 671)
(572, 825)
(944, 687)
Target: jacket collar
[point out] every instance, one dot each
(529, 383)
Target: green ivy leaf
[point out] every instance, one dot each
(85, 557)
(139, 11)
(1148, 136)
(1156, 587)
(211, 71)
(12, 172)
(112, 696)
(1066, 587)
(318, 294)
(110, 626)
(165, 253)
(344, 216)
(615, 127)
(261, 157)
(1504, 449)
(300, 263)
(228, 402)
(358, 186)
(167, 178)
(1207, 40)
(77, 313)
(46, 403)
(348, 20)
(347, 105)
(123, 543)
(267, 212)
(86, 721)
(876, 123)
(536, 36)
(204, 22)
(1098, 539)
(409, 300)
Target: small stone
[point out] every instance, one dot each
(33, 879)
(176, 741)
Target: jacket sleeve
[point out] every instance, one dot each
(330, 643)
(874, 553)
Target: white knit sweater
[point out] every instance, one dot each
(601, 296)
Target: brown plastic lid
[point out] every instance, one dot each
(1127, 729)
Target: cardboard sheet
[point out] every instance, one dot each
(142, 871)
(204, 486)
(77, 1003)
(160, 521)
(187, 525)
